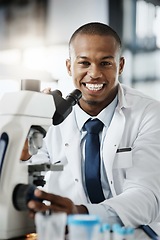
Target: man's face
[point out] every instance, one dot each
(95, 66)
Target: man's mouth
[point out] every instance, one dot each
(94, 87)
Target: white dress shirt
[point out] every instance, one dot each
(104, 116)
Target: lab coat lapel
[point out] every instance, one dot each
(111, 143)
(71, 138)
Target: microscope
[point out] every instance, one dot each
(25, 114)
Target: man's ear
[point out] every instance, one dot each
(121, 65)
(68, 65)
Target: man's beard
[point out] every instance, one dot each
(91, 102)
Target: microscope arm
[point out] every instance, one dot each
(20, 112)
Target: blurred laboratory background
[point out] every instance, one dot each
(34, 37)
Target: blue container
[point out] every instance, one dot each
(83, 227)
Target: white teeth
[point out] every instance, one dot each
(94, 87)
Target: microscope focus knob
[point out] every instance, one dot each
(22, 194)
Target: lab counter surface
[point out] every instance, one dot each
(139, 235)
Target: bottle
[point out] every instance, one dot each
(83, 226)
(122, 233)
(105, 231)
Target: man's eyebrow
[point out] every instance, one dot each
(84, 57)
(107, 57)
(103, 58)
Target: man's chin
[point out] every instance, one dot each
(91, 102)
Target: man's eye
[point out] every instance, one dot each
(106, 64)
(84, 63)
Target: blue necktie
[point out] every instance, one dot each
(92, 161)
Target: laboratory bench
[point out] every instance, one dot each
(139, 235)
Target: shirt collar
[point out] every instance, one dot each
(105, 115)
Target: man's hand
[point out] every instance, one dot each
(57, 204)
(46, 90)
(25, 152)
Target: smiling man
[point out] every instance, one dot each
(122, 181)
(95, 64)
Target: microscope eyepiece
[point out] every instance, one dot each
(64, 106)
(74, 97)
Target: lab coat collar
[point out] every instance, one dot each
(122, 103)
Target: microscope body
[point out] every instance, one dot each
(19, 111)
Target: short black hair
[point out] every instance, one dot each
(96, 28)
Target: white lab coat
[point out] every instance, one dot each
(133, 176)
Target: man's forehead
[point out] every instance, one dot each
(81, 36)
(92, 42)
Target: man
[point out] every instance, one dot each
(129, 140)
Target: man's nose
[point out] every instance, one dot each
(94, 72)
